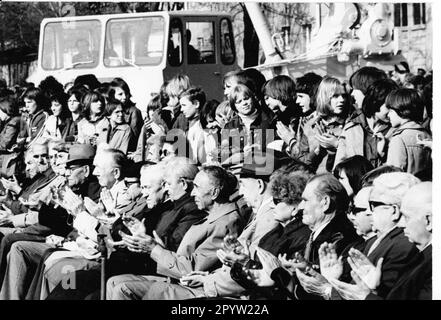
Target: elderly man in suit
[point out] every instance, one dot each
(197, 252)
(389, 249)
(415, 280)
(324, 204)
(255, 189)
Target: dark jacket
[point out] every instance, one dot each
(175, 222)
(31, 186)
(339, 231)
(415, 282)
(257, 135)
(397, 252)
(9, 131)
(70, 131)
(58, 220)
(133, 117)
(289, 239)
(36, 123)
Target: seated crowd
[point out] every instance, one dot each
(307, 188)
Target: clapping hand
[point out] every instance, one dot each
(5, 216)
(11, 185)
(357, 291)
(107, 200)
(286, 133)
(71, 202)
(262, 277)
(92, 207)
(298, 262)
(330, 265)
(194, 279)
(239, 254)
(313, 282)
(136, 227)
(138, 243)
(150, 124)
(364, 269)
(327, 140)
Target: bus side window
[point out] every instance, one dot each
(227, 42)
(174, 54)
(200, 43)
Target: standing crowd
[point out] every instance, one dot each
(298, 189)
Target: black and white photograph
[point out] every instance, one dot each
(219, 156)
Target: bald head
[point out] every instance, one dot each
(361, 199)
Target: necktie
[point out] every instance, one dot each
(308, 247)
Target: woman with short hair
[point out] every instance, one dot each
(406, 114)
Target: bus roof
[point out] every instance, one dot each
(138, 14)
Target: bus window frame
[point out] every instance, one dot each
(164, 52)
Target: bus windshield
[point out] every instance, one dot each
(71, 44)
(134, 41)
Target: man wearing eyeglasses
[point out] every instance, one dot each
(390, 243)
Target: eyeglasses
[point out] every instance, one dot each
(37, 156)
(355, 210)
(375, 204)
(164, 153)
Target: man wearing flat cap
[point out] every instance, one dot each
(26, 251)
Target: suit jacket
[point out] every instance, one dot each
(339, 231)
(174, 223)
(57, 219)
(220, 282)
(170, 231)
(415, 283)
(197, 250)
(260, 224)
(289, 239)
(32, 185)
(397, 252)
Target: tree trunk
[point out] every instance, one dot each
(250, 41)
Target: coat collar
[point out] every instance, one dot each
(220, 212)
(408, 125)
